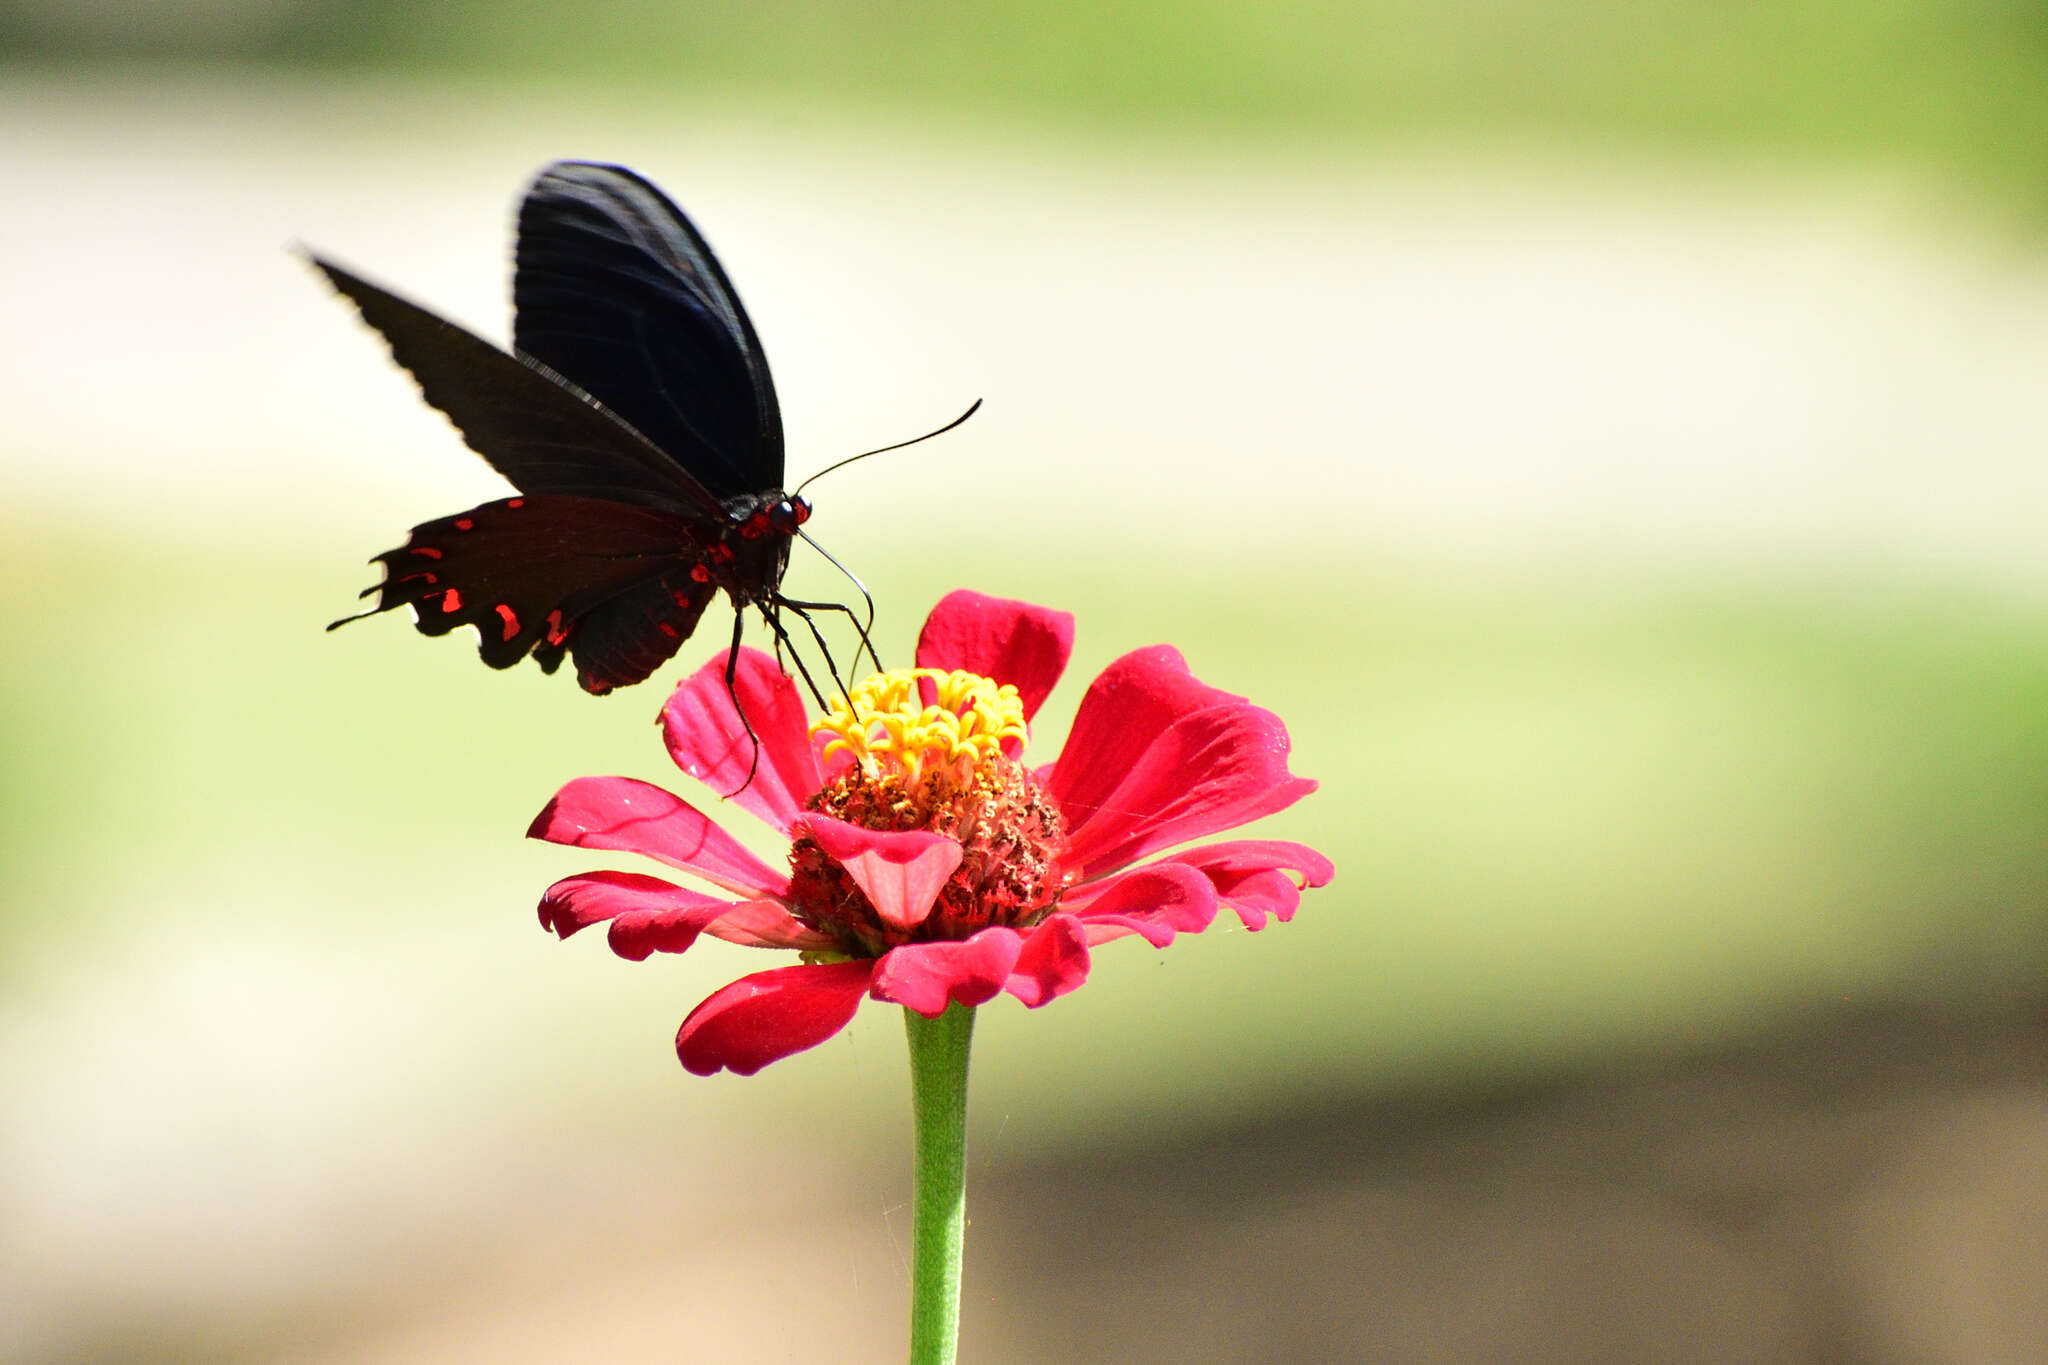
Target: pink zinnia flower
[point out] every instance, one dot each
(928, 865)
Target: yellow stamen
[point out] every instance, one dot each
(887, 726)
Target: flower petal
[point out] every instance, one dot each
(999, 638)
(763, 923)
(1156, 902)
(576, 903)
(638, 934)
(708, 739)
(1157, 757)
(639, 817)
(649, 915)
(929, 976)
(765, 1017)
(1260, 879)
(902, 872)
(1053, 961)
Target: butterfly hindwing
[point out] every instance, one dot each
(546, 574)
(625, 638)
(615, 287)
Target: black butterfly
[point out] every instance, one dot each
(636, 417)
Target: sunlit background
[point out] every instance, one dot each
(1611, 435)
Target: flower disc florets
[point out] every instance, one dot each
(928, 753)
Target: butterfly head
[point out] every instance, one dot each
(774, 514)
(789, 513)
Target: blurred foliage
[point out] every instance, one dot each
(1957, 85)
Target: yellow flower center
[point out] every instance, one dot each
(928, 755)
(890, 729)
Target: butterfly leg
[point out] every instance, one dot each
(867, 644)
(782, 636)
(866, 596)
(844, 684)
(732, 665)
(804, 609)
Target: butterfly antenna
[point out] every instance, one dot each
(974, 408)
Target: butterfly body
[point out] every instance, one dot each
(635, 415)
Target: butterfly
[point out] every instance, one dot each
(636, 418)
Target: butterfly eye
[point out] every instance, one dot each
(790, 513)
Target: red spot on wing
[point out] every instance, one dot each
(451, 600)
(556, 632)
(511, 619)
(421, 577)
(670, 631)
(463, 523)
(700, 573)
(682, 598)
(429, 551)
(515, 502)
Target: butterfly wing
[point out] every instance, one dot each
(537, 429)
(616, 289)
(607, 581)
(623, 640)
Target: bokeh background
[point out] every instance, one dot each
(1611, 435)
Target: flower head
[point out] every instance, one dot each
(928, 864)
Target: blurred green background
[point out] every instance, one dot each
(1610, 435)
(1952, 87)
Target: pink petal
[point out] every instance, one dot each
(1126, 707)
(639, 817)
(650, 915)
(763, 923)
(902, 872)
(1053, 961)
(1259, 878)
(708, 739)
(765, 1017)
(1157, 757)
(929, 976)
(576, 903)
(638, 933)
(1155, 902)
(1009, 641)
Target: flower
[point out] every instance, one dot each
(928, 864)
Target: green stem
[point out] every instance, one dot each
(938, 1200)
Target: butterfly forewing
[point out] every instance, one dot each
(537, 429)
(616, 288)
